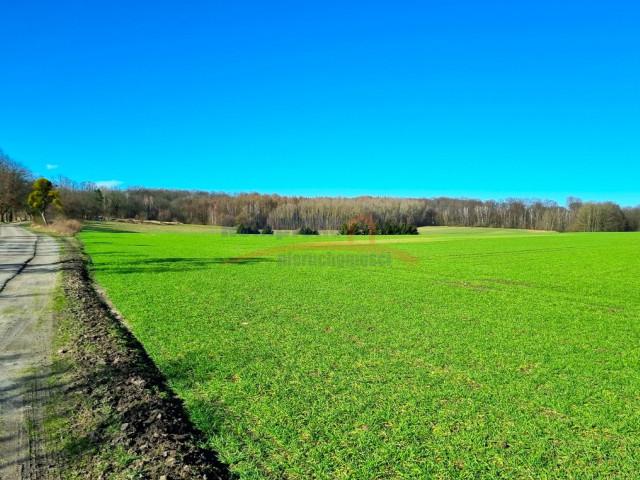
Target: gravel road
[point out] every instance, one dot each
(29, 267)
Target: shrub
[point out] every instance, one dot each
(247, 229)
(355, 228)
(308, 231)
(396, 229)
(362, 228)
(267, 230)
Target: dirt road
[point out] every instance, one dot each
(29, 267)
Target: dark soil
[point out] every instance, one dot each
(137, 427)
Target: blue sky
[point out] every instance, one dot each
(463, 98)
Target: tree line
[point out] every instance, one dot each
(85, 201)
(15, 185)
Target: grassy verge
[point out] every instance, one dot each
(72, 417)
(110, 414)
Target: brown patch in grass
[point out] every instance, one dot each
(527, 368)
(506, 282)
(551, 413)
(474, 286)
(60, 227)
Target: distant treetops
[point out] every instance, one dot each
(21, 198)
(600, 217)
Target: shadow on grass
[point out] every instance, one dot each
(175, 264)
(105, 228)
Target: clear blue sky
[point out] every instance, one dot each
(464, 98)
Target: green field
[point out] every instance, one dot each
(476, 353)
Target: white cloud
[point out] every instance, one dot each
(108, 183)
(51, 167)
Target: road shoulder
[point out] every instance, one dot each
(30, 274)
(113, 413)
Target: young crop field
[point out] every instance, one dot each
(457, 353)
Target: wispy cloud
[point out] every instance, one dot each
(51, 167)
(109, 183)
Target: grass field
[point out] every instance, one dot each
(472, 353)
